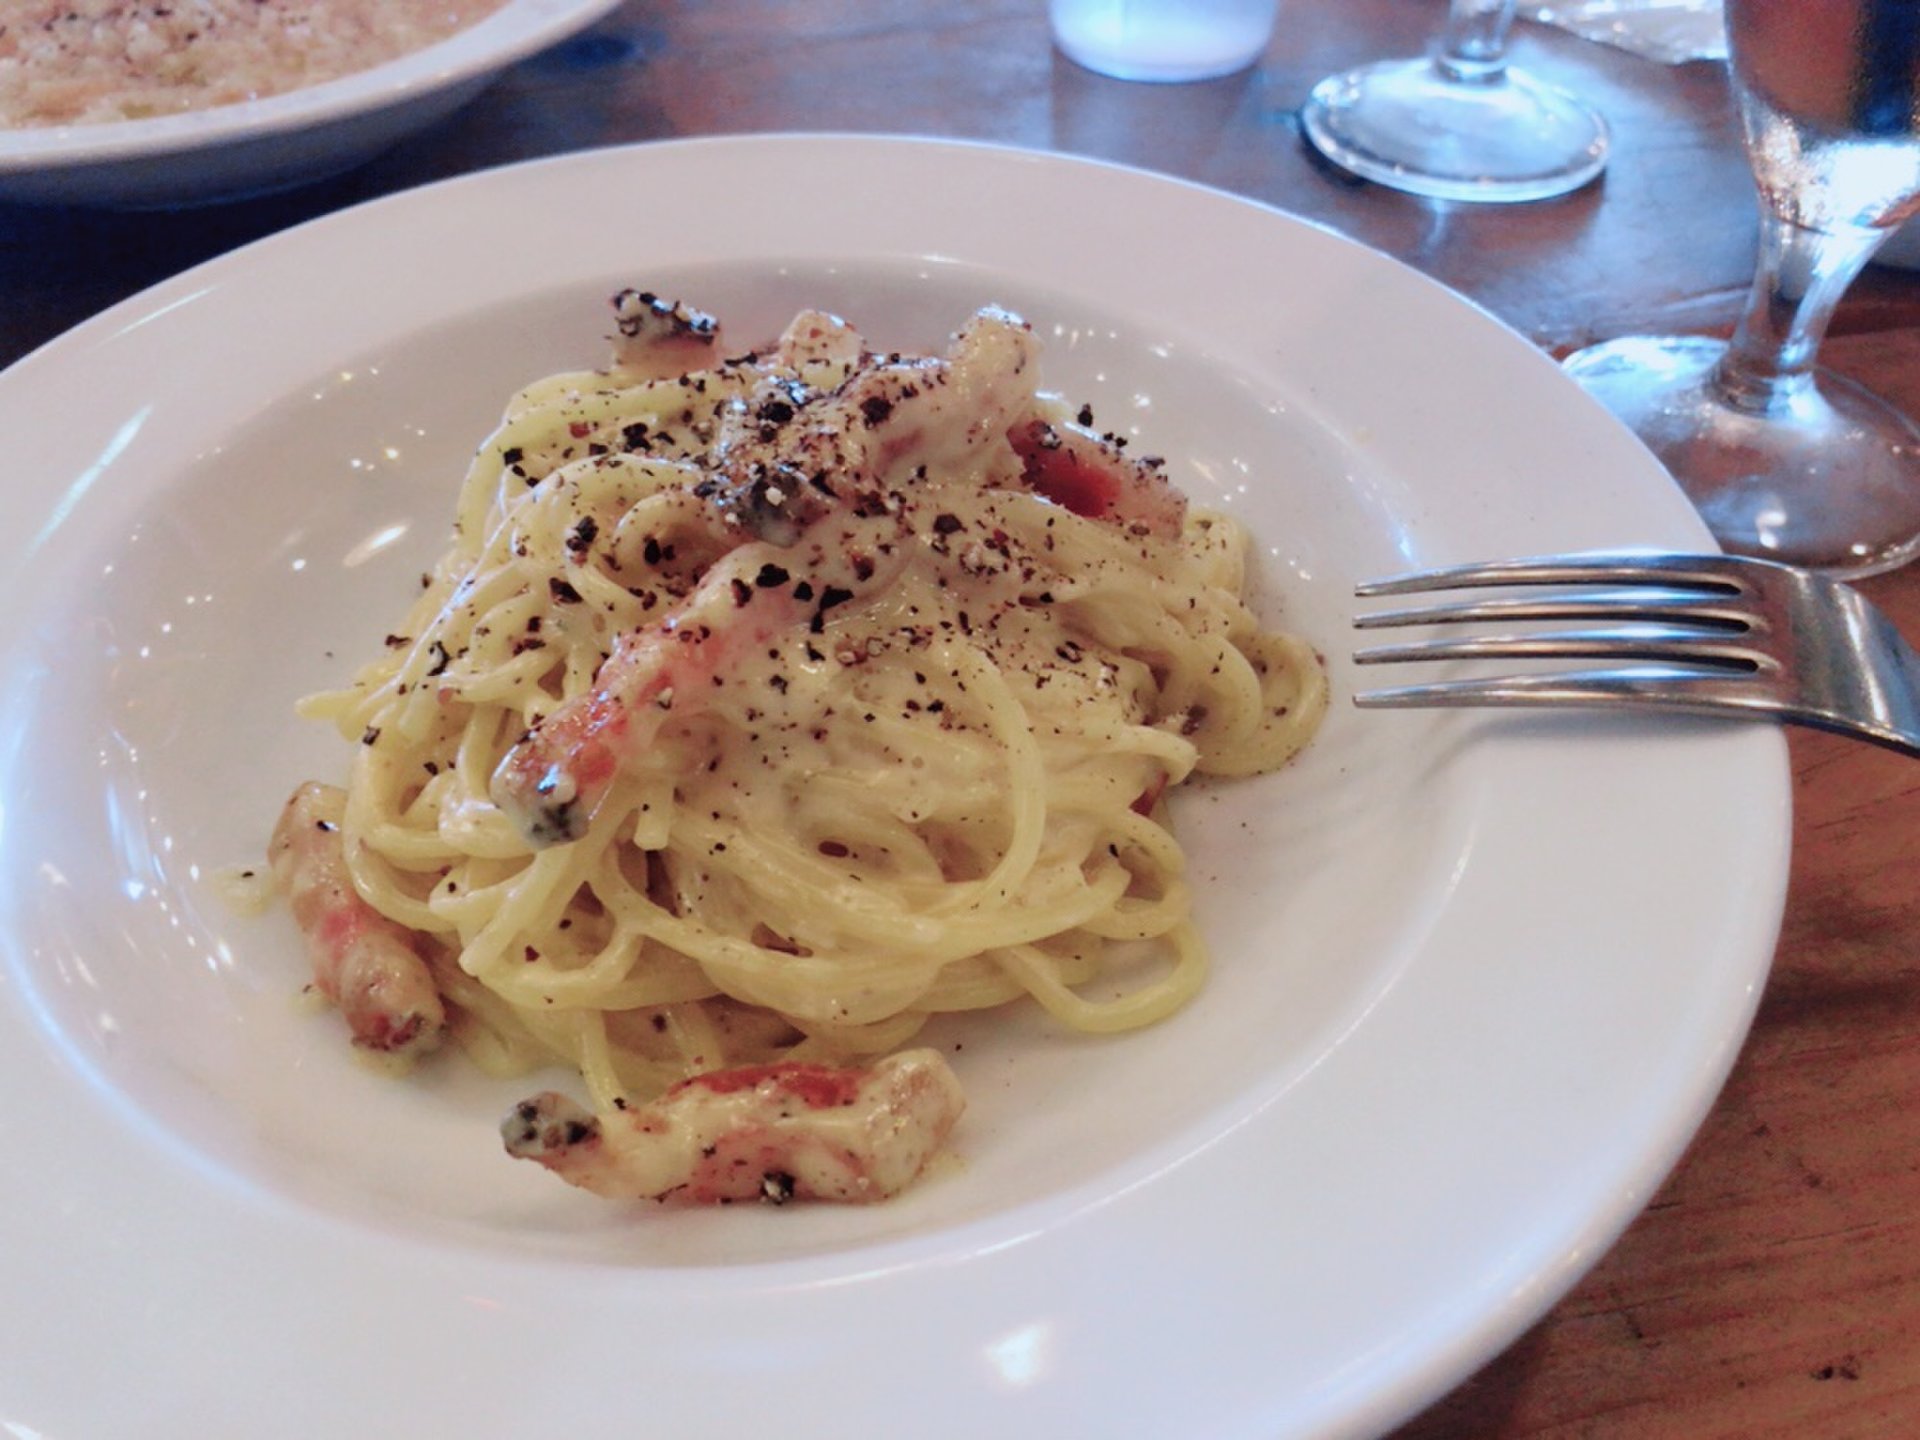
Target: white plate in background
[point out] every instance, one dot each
(1477, 977)
(255, 146)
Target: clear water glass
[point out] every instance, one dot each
(1164, 40)
(1783, 459)
(1459, 124)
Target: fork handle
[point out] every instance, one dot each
(1643, 687)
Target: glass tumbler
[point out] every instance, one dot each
(1162, 39)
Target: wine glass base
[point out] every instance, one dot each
(1830, 482)
(1410, 125)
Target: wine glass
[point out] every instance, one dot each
(1460, 124)
(1785, 460)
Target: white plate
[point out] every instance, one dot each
(1477, 978)
(261, 145)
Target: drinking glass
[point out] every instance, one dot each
(1162, 39)
(1783, 459)
(1460, 124)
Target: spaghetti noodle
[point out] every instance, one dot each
(764, 707)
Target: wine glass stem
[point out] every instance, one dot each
(1801, 275)
(1473, 45)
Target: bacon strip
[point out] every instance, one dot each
(773, 1132)
(661, 339)
(362, 961)
(1079, 471)
(552, 780)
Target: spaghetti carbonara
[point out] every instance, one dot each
(764, 707)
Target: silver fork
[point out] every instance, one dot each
(1709, 634)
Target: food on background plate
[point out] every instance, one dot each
(763, 708)
(75, 62)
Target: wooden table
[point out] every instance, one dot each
(1773, 1286)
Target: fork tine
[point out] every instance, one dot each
(1756, 638)
(1638, 642)
(1692, 606)
(1712, 571)
(1656, 686)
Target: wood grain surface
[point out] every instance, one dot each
(1773, 1286)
